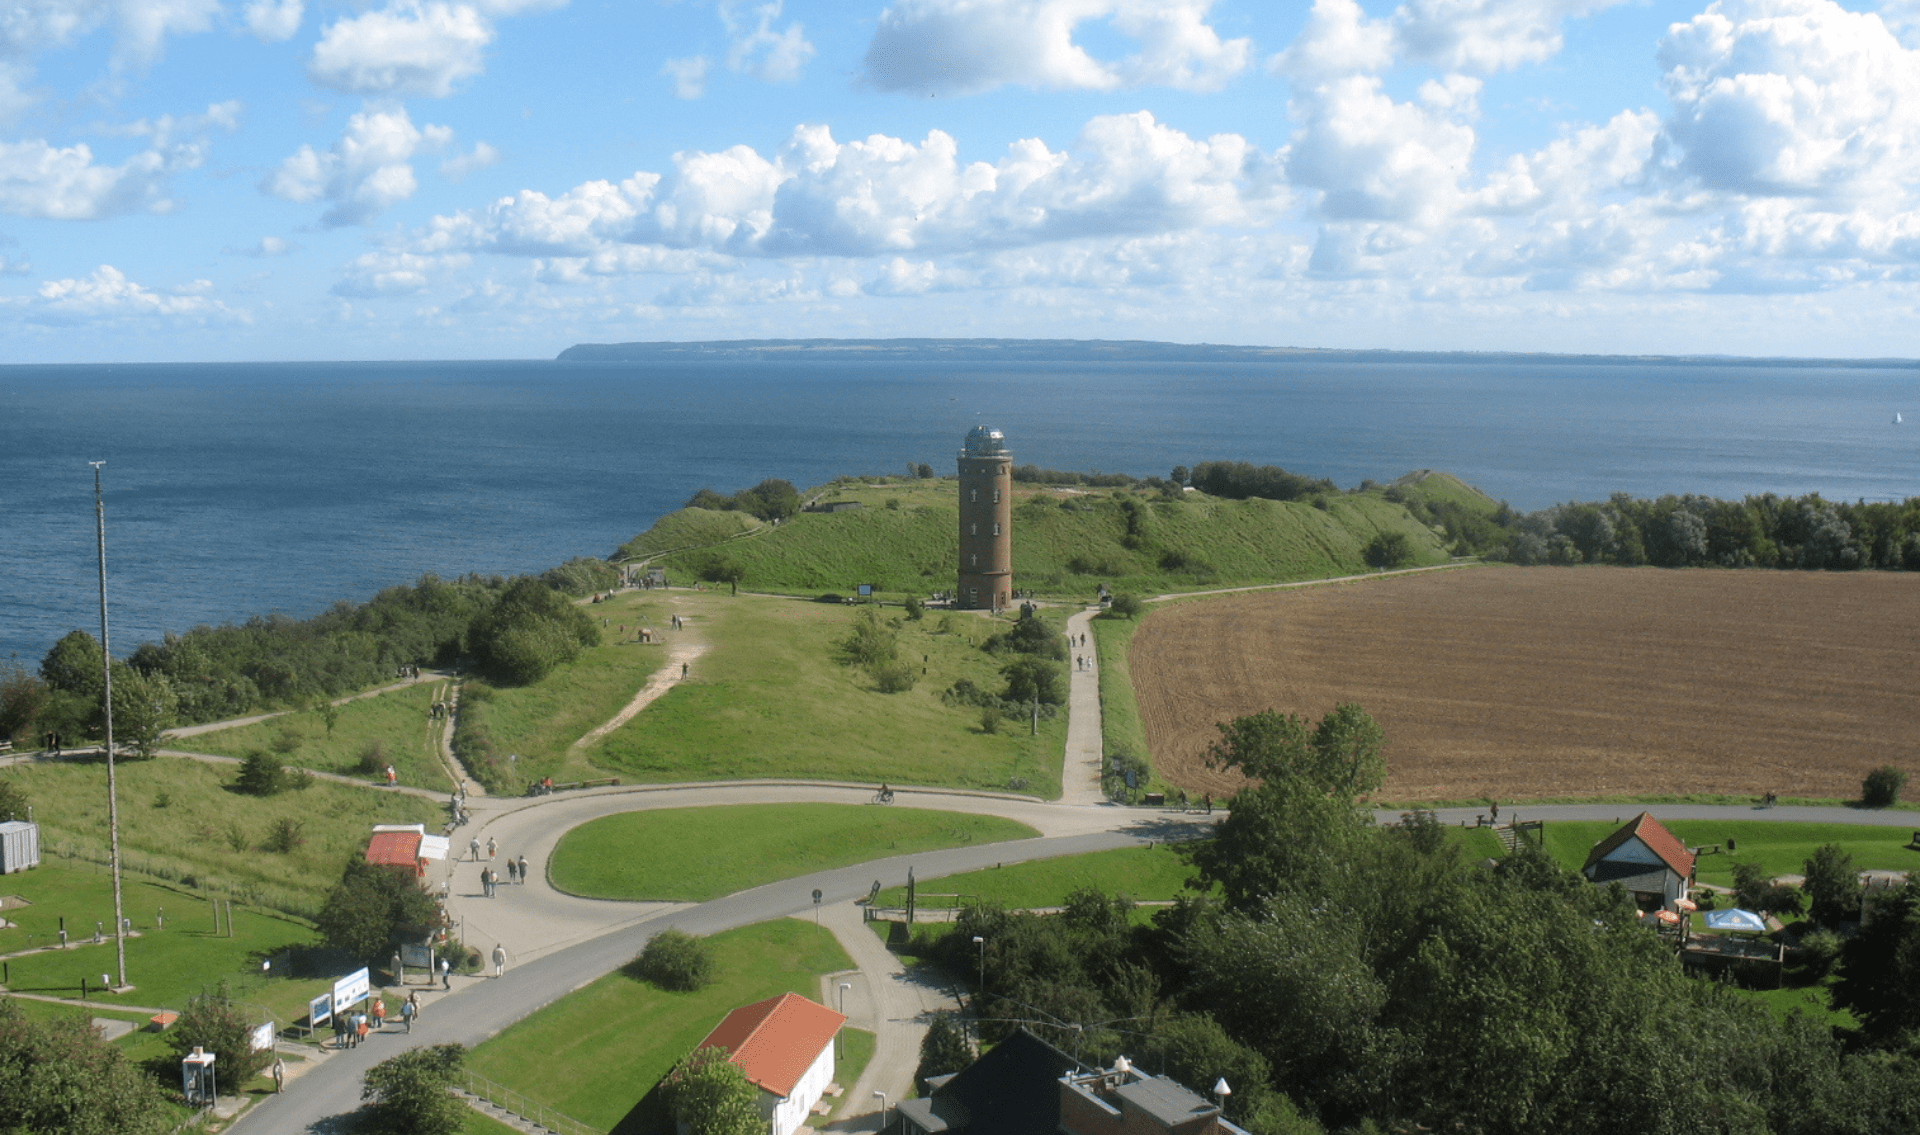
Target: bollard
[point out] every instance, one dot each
(83, 987)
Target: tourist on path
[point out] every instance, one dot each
(492, 849)
(279, 1075)
(523, 870)
(513, 870)
(473, 845)
(392, 779)
(499, 959)
(380, 1014)
(446, 972)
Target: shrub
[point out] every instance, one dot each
(1882, 787)
(915, 610)
(944, 1050)
(710, 1095)
(676, 960)
(1388, 550)
(1126, 606)
(412, 1094)
(261, 774)
(286, 835)
(1819, 951)
(893, 678)
(1125, 777)
(373, 760)
(989, 718)
(213, 1022)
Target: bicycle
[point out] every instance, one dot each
(1016, 783)
(882, 797)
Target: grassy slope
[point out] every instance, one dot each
(770, 700)
(1445, 487)
(1120, 727)
(195, 832)
(670, 854)
(911, 549)
(397, 720)
(618, 1036)
(687, 527)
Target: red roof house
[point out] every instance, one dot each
(398, 849)
(784, 1045)
(1646, 859)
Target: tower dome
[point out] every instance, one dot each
(983, 442)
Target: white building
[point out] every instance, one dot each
(784, 1046)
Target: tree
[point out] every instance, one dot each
(1880, 967)
(1832, 886)
(676, 960)
(23, 698)
(944, 1050)
(1340, 757)
(923, 471)
(73, 665)
(57, 1077)
(1754, 890)
(709, 1095)
(531, 630)
(213, 1022)
(1030, 679)
(1388, 550)
(1179, 475)
(722, 569)
(1126, 606)
(1881, 788)
(370, 905)
(144, 707)
(261, 774)
(412, 1093)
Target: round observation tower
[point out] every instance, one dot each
(986, 522)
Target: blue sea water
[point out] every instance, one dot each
(242, 489)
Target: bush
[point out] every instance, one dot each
(1124, 780)
(286, 835)
(676, 960)
(1388, 550)
(261, 774)
(710, 1095)
(894, 678)
(915, 609)
(373, 760)
(212, 1021)
(412, 1094)
(944, 1050)
(1882, 787)
(1126, 606)
(1819, 951)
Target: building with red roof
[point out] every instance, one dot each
(405, 845)
(1647, 860)
(784, 1046)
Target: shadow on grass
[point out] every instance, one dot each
(648, 1117)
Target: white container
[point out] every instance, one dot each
(19, 846)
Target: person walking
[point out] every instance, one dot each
(279, 1075)
(473, 845)
(407, 1009)
(513, 870)
(492, 849)
(392, 778)
(499, 960)
(379, 1014)
(446, 972)
(523, 870)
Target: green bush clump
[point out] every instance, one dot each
(1882, 787)
(676, 960)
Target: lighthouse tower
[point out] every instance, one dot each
(986, 522)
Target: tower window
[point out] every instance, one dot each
(974, 530)
(973, 561)
(973, 496)
(996, 496)
(996, 530)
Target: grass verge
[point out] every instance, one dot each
(695, 854)
(181, 821)
(1140, 873)
(1779, 847)
(618, 1036)
(771, 699)
(396, 721)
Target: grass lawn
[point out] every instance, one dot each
(1120, 727)
(856, 1049)
(167, 966)
(674, 854)
(596, 1053)
(1779, 847)
(180, 820)
(397, 721)
(771, 700)
(1142, 874)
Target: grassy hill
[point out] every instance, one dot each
(1067, 541)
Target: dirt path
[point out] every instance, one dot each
(681, 654)
(1080, 772)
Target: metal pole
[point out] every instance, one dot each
(113, 786)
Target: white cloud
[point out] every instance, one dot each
(689, 76)
(969, 46)
(1793, 98)
(66, 184)
(265, 247)
(108, 294)
(274, 20)
(1487, 35)
(366, 171)
(1374, 159)
(459, 166)
(407, 48)
(1339, 39)
(381, 274)
(758, 50)
(884, 196)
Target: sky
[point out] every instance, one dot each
(226, 180)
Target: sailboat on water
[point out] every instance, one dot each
(1897, 419)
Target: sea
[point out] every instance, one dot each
(235, 490)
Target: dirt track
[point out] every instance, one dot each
(1518, 683)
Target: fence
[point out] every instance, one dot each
(532, 1111)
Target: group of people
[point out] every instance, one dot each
(349, 1029)
(410, 672)
(1083, 662)
(440, 710)
(489, 878)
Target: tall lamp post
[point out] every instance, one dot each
(839, 1036)
(106, 694)
(882, 1096)
(981, 943)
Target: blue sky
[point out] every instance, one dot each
(273, 179)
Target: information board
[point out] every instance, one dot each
(320, 1010)
(351, 990)
(262, 1038)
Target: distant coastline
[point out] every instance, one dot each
(1121, 350)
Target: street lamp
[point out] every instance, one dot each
(883, 1109)
(982, 944)
(839, 1037)
(1221, 1092)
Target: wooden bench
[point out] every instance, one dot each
(1915, 841)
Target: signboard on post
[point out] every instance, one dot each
(866, 590)
(261, 1039)
(417, 955)
(352, 989)
(320, 1010)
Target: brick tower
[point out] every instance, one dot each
(986, 522)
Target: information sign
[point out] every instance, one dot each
(262, 1038)
(352, 989)
(320, 1010)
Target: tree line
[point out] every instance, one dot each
(1808, 533)
(1347, 976)
(514, 630)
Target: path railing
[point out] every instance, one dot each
(531, 1111)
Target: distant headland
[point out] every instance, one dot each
(1111, 350)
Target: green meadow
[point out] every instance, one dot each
(1142, 874)
(1779, 847)
(771, 699)
(695, 854)
(397, 721)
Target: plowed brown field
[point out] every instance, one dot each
(1523, 683)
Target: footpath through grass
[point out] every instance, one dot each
(1140, 873)
(596, 1054)
(772, 699)
(181, 821)
(696, 854)
(397, 721)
